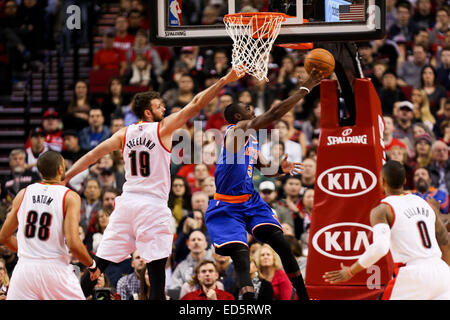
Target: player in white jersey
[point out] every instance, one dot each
(46, 216)
(140, 219)
(411, 229)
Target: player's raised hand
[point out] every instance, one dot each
(338, 275)
(291, 167)
(314, 78)
(235, 75)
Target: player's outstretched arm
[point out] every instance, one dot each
(11, 223)
(72, 205)
(111, 144)
(178, 119)
(380, 218)
(278, 111)
(442, 236)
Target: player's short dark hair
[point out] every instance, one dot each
(394, 174)
(141, 102)
(48, 164)
(230, 112)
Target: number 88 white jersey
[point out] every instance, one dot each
(413, 228)
(40, 215)
(146, 161)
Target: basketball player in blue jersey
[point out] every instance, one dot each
(237, 208)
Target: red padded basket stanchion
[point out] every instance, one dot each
(349, 160)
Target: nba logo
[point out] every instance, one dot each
(174, 12)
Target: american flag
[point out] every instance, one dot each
(351, 12)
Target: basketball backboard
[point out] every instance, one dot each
(191, 22)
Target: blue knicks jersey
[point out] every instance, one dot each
(234, 171)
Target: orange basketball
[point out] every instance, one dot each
(320, 59)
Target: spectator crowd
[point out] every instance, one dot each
(409, 67)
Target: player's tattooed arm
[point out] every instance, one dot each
(442, 235)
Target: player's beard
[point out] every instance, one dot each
(156, 118)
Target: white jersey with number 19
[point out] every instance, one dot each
(141, 217)
(146, 161)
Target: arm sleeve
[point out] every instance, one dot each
(379, 247)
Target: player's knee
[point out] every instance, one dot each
(238, 252)
(267, 233)
(275, 238)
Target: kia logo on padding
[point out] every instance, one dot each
(347, 181)
(342, 241)
(346, 132)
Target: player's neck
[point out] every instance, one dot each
(394, 192)
(51, 181)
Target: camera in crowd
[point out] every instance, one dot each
(102, 294)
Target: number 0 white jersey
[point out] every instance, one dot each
(146, 161)
(413, 228)
(41, 213)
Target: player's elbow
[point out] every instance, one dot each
(72, 243)
(381, 248)
(2, 239)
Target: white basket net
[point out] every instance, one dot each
(253, 38)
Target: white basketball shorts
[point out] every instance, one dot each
(137, 222)
(425, 279)
(51, 279)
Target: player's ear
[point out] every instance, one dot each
(148, 115)
(61, 168)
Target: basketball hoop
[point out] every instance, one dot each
(253, 35)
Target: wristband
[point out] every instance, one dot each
(93, 267)
(305, 88)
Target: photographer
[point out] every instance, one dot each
(103, 290)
